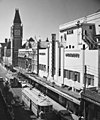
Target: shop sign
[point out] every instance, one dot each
(76, 55)
(42, 53)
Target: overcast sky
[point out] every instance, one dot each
(43, 17)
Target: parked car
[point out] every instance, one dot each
(65, 115)
(1, 79)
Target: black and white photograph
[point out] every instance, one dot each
(49, 59)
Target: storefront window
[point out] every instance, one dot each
(90, 79)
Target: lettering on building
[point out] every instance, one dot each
(42, 53)
(72, 55)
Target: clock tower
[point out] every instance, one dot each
(16, 37)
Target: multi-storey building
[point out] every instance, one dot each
(79, 60)
(34, 57)
(79, 48)
(44, 59)
(25, 55)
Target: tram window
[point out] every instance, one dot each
(46, 108)
(42, 109)
(35, 105)
(50, 107)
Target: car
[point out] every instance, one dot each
(1, 79)
(65, 115)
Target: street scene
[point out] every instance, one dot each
(50, 60)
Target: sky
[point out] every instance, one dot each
(43, 17)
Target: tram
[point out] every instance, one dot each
(36, 101)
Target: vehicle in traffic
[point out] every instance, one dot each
(36, 101)
(65, 115)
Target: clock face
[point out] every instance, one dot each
(17, 32)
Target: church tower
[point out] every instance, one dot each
(16, 37)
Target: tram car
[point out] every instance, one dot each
(36, 101)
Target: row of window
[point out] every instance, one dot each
(70, 46)
(73, 75)
(90, 79)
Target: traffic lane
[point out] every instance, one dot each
(23, 113)
(3, 115)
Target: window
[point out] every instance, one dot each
(65, 74)
(61, 38)
(90, 27)
(90, 79)
(59, 72)
(77, 76)
(69, 46)
(71, 75)
(65, 37)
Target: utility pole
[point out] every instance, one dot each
(84, 79)
(38, 43)
(85, 72)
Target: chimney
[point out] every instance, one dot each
(53, 37)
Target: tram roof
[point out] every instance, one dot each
(37, 97)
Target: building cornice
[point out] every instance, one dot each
(72, 24)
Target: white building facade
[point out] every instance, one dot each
(74, 57)
(43, 62)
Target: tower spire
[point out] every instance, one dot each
(17, 17)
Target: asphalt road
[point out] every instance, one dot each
(20, 112)
(3, 115)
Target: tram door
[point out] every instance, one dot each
(41, 112)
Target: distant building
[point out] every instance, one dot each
(16, 37)
(33, 57)
(5, 51)
(25, 54)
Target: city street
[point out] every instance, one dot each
(20, 112)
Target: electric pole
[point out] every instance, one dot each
(84, 90)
